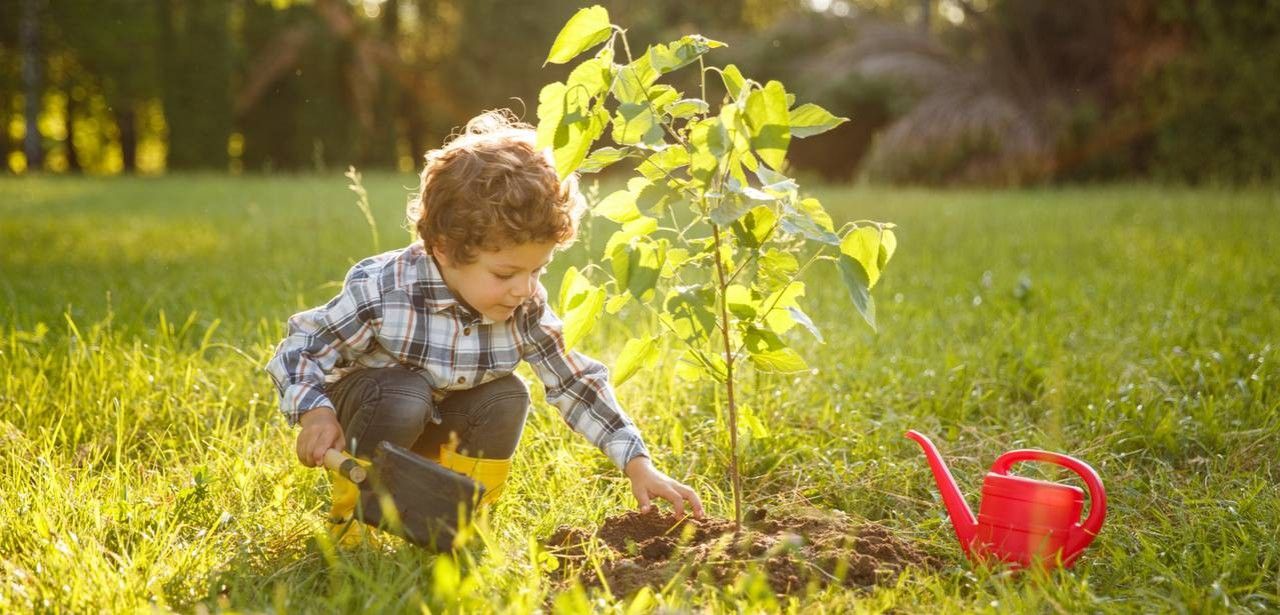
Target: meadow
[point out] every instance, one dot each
(143, 462)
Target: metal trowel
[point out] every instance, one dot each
(409, 495)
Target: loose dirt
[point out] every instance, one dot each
(794, 551)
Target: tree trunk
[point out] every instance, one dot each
(33, 88)
(380, 146)
(126, 122)
(69, 127)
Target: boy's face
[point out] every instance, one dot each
(497, 282)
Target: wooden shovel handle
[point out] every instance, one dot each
(345, 465)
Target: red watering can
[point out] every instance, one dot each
(1022, 520)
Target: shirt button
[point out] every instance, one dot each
(462, 379)
(466, 331)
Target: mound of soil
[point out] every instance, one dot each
(809, 546)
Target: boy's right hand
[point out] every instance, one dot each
(320, 432)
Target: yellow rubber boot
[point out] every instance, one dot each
(492, 473)
(344, 494)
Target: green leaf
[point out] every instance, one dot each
(677, 438)
(748, 191)
(888, 245)
(770, 123)
(734, 205)
(568, 125)
(593, 76)
(551, 111)
(775, 183)
(863, 245)
(644, 264)
(769, 353)
(809, 220)
(637, 354)
(602, 158)
(676, 258)
(739, 301)
(579, 320)
(620, 261)
(619, 206)
(654, 197)
(664, 163)
(636, 122)
(733, 80)
(813, 208)
(696, 365)
(736, 129)
(573, 288)
(687, 107)
(710, 143)
(641, 226)
(617, 302)
(586, 29)
(776, 268)
(799, 316)
(810, 119)
(689, 310)
(667, 58)
(633, 80)
(855, 279)
(778, 319)
(755, 228)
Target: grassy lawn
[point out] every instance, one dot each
(143, 462)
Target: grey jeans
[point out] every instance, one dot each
(395, 404)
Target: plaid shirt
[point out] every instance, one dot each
(394, 309)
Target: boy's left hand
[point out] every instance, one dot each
(647, 482)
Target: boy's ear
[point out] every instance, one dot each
(440, 255)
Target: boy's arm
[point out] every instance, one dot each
(579, 387)
(319, 339)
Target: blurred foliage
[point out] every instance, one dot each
(1222, 96)
(940, 91)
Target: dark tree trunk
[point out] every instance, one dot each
(32, 145)
(415, 127)
(11, 144)
(126, 122)
(413, 113)
(381, 144)
(69, 127)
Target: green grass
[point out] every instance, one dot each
(143, 462)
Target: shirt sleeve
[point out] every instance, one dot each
(578, 386)
(322, 338)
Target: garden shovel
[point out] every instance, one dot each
(409, 495)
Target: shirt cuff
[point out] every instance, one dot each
(300, 398)
(623, 446)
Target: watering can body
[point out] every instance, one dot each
(1021, 520)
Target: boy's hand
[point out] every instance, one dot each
(647, 482)
(320, 432)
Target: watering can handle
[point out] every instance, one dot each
(1097, 495)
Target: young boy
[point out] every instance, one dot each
(419, 347)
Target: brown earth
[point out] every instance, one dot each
(810, 546)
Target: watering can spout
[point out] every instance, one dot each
(962, 518)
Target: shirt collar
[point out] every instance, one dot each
(437, 294)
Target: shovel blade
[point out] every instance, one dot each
(431, 503)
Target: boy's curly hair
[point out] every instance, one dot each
(490, 187)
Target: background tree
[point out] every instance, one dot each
(32, 81)
(89, 35)
(195, 64)
(939, 91)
